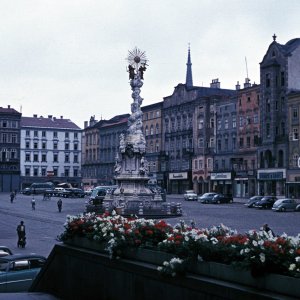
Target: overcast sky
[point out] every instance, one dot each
(68, 58)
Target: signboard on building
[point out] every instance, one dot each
(220, 176)
(271, 174)
(178, 176)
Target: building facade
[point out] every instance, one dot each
(152, 128)
(10, 124)
(279, 74)
(50, 151)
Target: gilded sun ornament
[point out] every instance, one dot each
(137, 58)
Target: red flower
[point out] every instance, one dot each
(149, 232)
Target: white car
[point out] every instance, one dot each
(190, 195)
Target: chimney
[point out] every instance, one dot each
(49, 116)
(247, 83)
(35, 116)
(215, 84)
(237, 86)
(86, 124)
(61, 117)
(8, 106)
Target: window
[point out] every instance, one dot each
(173, 124)
(66, 146)
(55, 145)
(35, 145)
(209, 163)
(211, 142)
(146, 131)
(240, 102)
(43, 133)
(241, 121)
(268, 81)
(295, 113)
(27, 171)
(219, 145)
(268, 105)
(66, 157)
(43, 173)
(27, 157)
(233, 122)
(4, 137)
(241, 142)
(13, 153)
(44, 157)
(268, 129)
(226, 123)
(13, 138)
(35, 157)
(200, 164)
(200, 143)
(295, 134)
(255, 119)
(234, 143)
(75, 135)
(55, 157)
(151, 130)
(13, 124)
(55, 171)
(35, 172)
(75, 146)
(201, 124)
(27, 133)
(248, 99)
(248, 141)
(75, 172)
(35, 133)
(75, 158)
(66, 135)
(55, 134)
(178, 123)
(219, 124)
(66, 173)
(212, 122)
(226, 144)
(43, 145)
(157, 146)
(196, 164)
(4, 124)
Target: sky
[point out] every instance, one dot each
(68, 58)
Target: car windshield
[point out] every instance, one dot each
(189, 192)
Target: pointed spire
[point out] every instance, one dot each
(189, 76)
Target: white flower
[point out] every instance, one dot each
(199, 258)
(166, 264)
(186, 238)
(159, 269)
(262, 257)
(297, 259)
(292, 251)
(292, 267)
(254, 243)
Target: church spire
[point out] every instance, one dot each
(189, 76)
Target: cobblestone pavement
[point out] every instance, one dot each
(44, 224)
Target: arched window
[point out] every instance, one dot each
(151, 130)
(146, 131)
(157, 129)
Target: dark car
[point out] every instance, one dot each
(206, 198)
(251, 201)
(76, 193)
(221, 198)
(17, 272)
(265, 202)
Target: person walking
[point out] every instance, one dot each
(12, 196)
(33, 203)
(21, 235)
(268, 230)
(59, 204)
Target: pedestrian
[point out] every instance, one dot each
(268, 230)
(21, 235)
(12, 196)
(33, 203)
(59, 205)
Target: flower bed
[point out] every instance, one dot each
(256, 251)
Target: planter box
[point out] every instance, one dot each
(271, 282)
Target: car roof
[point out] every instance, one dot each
(21, 257)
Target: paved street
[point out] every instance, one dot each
(45, 223)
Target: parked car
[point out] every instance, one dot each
(38, 188)
(190, 195)
(221, 198)
(265, 202)
(298, 207)
(4, 251)
(76, 193)
(251, 201)
(18, 271)
(284, 205)
(88, 192)
(206, 198)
